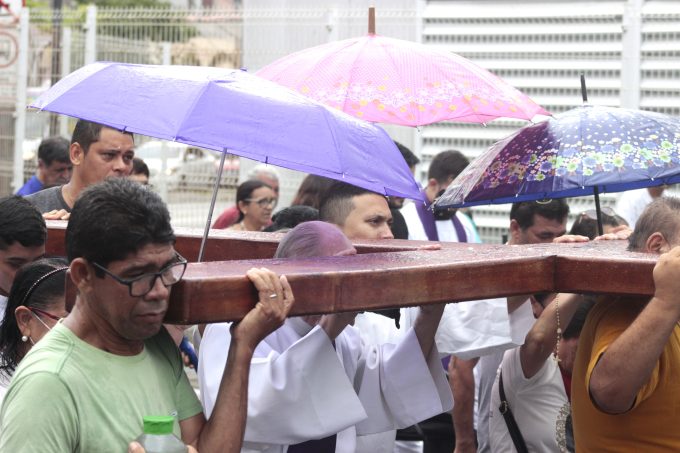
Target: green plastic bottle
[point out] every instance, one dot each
(158, 436)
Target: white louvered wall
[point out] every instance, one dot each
(541, 47)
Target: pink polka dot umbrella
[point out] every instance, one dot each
(393, 81)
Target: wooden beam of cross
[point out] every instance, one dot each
(218, 291)
(226, 245)
(392, 274)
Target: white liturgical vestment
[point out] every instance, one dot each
(302, 388)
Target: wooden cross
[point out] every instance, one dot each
(389, 273)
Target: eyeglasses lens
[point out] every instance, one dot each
(169, 276)
(266, 202)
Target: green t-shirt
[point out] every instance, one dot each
(68, 396)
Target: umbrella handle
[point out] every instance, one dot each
(371, 20)
(598, 211)
(584, 92)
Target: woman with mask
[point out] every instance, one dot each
(35, 304)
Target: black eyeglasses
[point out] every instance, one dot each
(264, 202)
(142, 285)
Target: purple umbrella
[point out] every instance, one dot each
(584, 151)
(232, 111)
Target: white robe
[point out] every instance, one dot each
(467, 329)
(631, 204)
(300, 388)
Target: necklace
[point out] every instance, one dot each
(559, 329)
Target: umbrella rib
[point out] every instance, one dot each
(326, 114)
(102, 68)
(364, 43)
(197, 98)
(398, 72)
(492, 79)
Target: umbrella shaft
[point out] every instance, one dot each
(596, 192)
(212, 205)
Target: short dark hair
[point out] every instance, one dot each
(524, 211)
(587, 226)
(575, 326)
(139, 167)
(291, 217)
(87, 132)
(245, 190)
(447, 164)
(54, 149)
(115, 218)
(39, 284)
(410, 158)
(21, 222)
(337, 204)
(661, 215)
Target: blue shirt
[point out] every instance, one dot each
(33, 185)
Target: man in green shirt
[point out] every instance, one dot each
(86, 386)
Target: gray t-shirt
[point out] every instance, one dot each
(488, 365)
(48, 200)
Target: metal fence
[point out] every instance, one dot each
(61, 42)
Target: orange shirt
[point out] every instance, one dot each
(653, 424)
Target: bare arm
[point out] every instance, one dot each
(462, 382)
(335, 323)
(426, 325)
(225, 429)
(628, 362)
(541, 339)
(514, 302)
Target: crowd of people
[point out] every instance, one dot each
(533, 373)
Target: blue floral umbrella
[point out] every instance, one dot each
(584, 151)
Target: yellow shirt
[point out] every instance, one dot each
(653, 424)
